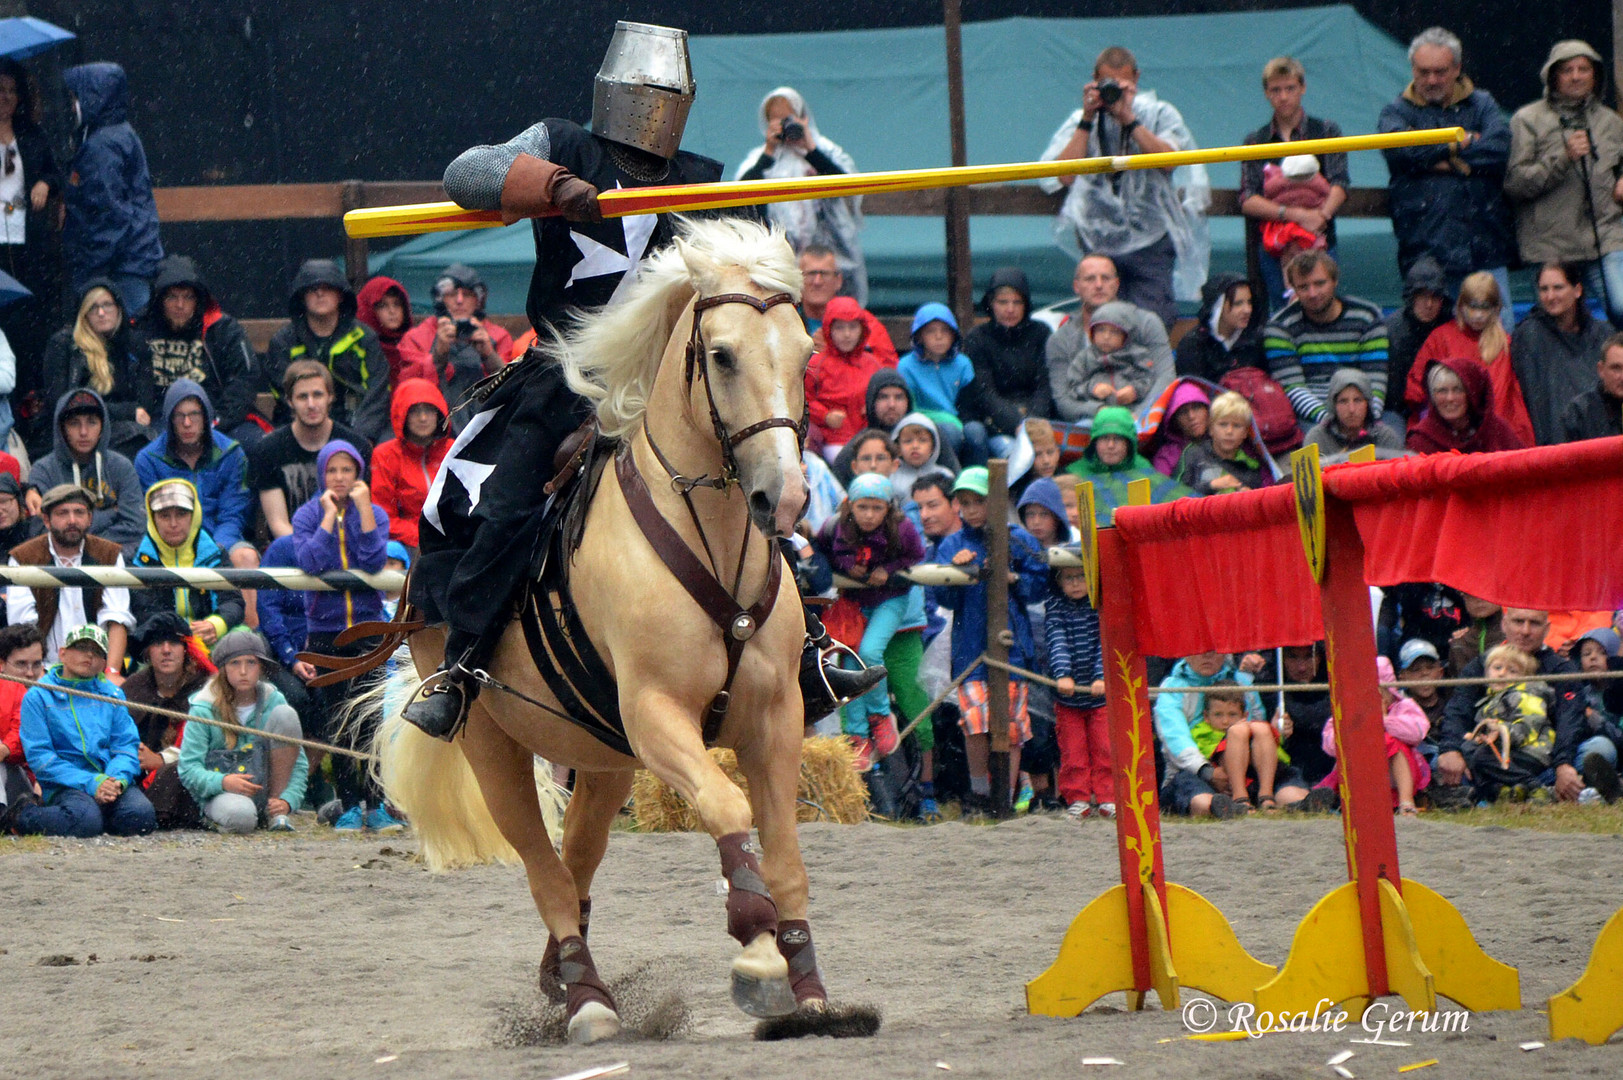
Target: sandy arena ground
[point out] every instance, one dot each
(310, 956)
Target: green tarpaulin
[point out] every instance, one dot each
(882, 95)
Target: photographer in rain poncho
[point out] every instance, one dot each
(794, 148)
(1151, 222)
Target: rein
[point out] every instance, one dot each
(703, 585)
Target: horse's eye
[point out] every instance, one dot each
(723, 358)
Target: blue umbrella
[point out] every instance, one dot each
(12, 290)
(27, 36)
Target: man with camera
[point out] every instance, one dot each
(455, 347)
(1149, 227)
(1563, 179)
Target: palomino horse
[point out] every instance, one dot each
(668, 657)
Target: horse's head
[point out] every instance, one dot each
(753, 375)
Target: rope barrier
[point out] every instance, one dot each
(216, 579)
(158, 710)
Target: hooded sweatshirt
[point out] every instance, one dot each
(389, 340)
(118, 514)
(222, 608)
(1180, 718)
(1131, 366)
(1405, 333)
(885, 378)
(211, 349)
(220, 477)
(1011, 368)
(347, 547)
(351, 353)
(1044, 492)
(838, 382)
(402, 471)
(1202, 353)
(65, 366)
(1169, 442)
(1110, 481)
(75, 743)
(1484, 431)
(1335, 444)
(1454, 341)
(901, 481)
(281, 611)
(936, 384)
(204, 783)
(111, 228)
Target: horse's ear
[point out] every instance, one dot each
(703, 270)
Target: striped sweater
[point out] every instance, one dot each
(1071, 629)
(1303, 354)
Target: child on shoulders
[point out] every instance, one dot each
(1110, 370)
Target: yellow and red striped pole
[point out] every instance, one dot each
(445, 216)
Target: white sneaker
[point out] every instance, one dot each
(1105, 810)
(1078, 810)
(1589, 796)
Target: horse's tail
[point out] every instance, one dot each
(431, 781)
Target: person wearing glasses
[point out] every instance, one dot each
(823, 281)
(101, 351)
(29, 178)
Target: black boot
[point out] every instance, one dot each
(825, 686)
(441, 709)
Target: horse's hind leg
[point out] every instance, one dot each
(597, 798)
(506, 774)
(675, 753)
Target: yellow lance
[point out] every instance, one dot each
(446, 216)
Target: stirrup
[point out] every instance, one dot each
(440, 706)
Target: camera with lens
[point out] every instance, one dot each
(792, 131)
(1109, 91)
(464, 328)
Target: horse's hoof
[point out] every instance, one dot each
(593, 1022)
(761, 980)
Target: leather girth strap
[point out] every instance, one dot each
(737, 625)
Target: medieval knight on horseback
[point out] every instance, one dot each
(480, 534)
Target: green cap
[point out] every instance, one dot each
(90, 634)
(973, 479)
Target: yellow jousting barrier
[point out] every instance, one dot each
(446, 216)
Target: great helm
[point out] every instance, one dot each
(644, 89)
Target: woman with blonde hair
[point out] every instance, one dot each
(98, 351)
(1475, 333)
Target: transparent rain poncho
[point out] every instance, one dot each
(1118, 213)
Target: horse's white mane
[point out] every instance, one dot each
(612, 355)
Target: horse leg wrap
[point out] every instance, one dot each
(795, 943)
(552, 983)
(750, 910)
(580, 977)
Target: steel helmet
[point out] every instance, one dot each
(644, 89)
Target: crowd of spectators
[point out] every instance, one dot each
(145, 430)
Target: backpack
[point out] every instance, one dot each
(1270, 408)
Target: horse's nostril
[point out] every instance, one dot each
(760, 506)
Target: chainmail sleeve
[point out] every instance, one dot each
(474, 180)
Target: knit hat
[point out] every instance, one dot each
(974, 480)
(241, 642)
(90, 634)
(157, 627)
(65, 493)
(397, 550)
(869, 486)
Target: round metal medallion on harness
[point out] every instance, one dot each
(743, 628)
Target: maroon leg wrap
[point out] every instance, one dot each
(579, 975)
(795, 943)
(552, 985)
(750, 910)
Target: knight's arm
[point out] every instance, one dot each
(520, 179)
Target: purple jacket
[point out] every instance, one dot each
(348, 548)
(873, 550)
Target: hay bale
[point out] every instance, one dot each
(830, 790)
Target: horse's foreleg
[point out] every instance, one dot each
(597, 798)
(773, 771)
(506, 774)
(669, 744)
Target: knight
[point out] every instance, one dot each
(476, 551)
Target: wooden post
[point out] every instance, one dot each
(997, 625)
(960, 284)
(356, 258)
